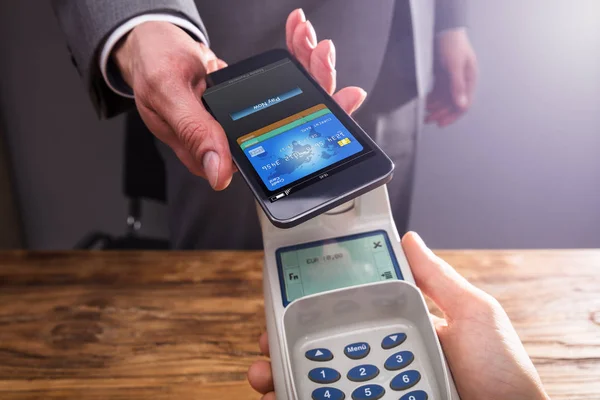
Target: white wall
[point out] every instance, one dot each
(521, 170)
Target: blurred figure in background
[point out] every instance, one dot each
(413, 57)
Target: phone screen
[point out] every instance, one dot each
(282, 124)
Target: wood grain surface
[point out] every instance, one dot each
(139, 325)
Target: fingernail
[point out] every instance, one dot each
(212, 66)
(302, 15)
(418, 240)
(363, 92)
(228, 181)
(462, 101)
(312, 35)
(331, 55)
(421, 243)
(211, 162)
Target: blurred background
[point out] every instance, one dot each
(521, 170)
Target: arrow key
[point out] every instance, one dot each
(391, 341)
(319, 355)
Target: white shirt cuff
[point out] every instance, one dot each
(126, 27)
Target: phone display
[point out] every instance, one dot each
(298, 146)
(289, 139)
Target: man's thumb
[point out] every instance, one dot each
(202, 137)
(436, 278)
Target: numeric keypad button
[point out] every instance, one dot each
(323, 375)
(328, 393)
(399, 360)
(362, 373)
(405, 380)
(416, 395)
(368, 392)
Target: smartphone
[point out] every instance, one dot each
(298, 151)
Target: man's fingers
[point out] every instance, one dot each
(164, 133)
(317, 58)
(215, 64)
(175, 99)
(471, 77)
(449, 119)
(304, 41)
(260, 376)
(207, 58)
(438, 115)
(433, 105)
(458, 86)
(263, 344)
(350, 98)
(200, 135)
(194, 166)
(221, 64)
(322, 65)
(438, 280)
(294, 19)
(268, 396)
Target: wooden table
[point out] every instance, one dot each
(153, 325)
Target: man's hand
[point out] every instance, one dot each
(455, 78)
(166, 69)
(487, 359)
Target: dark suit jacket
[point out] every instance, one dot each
(237, 29)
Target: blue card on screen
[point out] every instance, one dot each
(298, 146)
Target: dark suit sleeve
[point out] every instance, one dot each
(87, 24)
(450, 14)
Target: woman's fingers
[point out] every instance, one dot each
(261, 377)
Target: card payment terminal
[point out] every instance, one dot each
(344, 317)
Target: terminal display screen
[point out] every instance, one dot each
(330, 264)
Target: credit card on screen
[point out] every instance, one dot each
(298, 146)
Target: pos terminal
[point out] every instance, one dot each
(344, 317)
